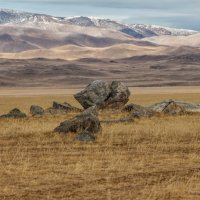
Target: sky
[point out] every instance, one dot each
(172, 13)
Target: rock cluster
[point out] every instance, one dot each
(57, 108)
(102, 95)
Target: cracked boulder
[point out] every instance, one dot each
(103, 95)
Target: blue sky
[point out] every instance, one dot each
(173, 13)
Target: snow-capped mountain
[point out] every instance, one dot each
(10, 17)
(147, 30)
(15, 17)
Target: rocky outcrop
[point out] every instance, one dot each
(15, 113)
(86, 121)
(104, 95)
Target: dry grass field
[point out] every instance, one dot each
(154, 158)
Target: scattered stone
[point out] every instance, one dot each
(53, 111)
(86, 121)
(173, 109)
(15, 113)
(179, 106)
(36, 110)
(189, 107)
(85, 136)
(138, 111)
(61, 108)
(103, 95)
(65, 107)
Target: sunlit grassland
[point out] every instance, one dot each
(154, 158)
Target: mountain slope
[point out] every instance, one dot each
(59, 24)
(16, 39)
(176, 41)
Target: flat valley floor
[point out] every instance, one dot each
(155, 158)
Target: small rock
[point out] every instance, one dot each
(175, 107)
(36, 110)
(138, 111)
(189, 107)
(85, 136)
(61, 108)
(65, 107)
(15, 113)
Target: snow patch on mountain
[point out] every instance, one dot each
(56, 23)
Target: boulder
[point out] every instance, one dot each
(119, 95)
(15, 113)
(65, 107)
(85, 136)
(86, 121)
(36, 110)
(103, 95)
(175, 107)
(138, 111)
(61, 108)
(95, 94)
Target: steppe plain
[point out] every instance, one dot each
(155, 158)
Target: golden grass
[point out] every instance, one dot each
(154, 158)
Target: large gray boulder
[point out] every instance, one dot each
(103, 95)
(119, 95)
(86, 121)
(182, 106)
(15, 113)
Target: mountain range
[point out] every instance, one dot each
(43, 21)
(22, 31)
(45, 51)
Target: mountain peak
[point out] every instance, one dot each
(44, 21)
